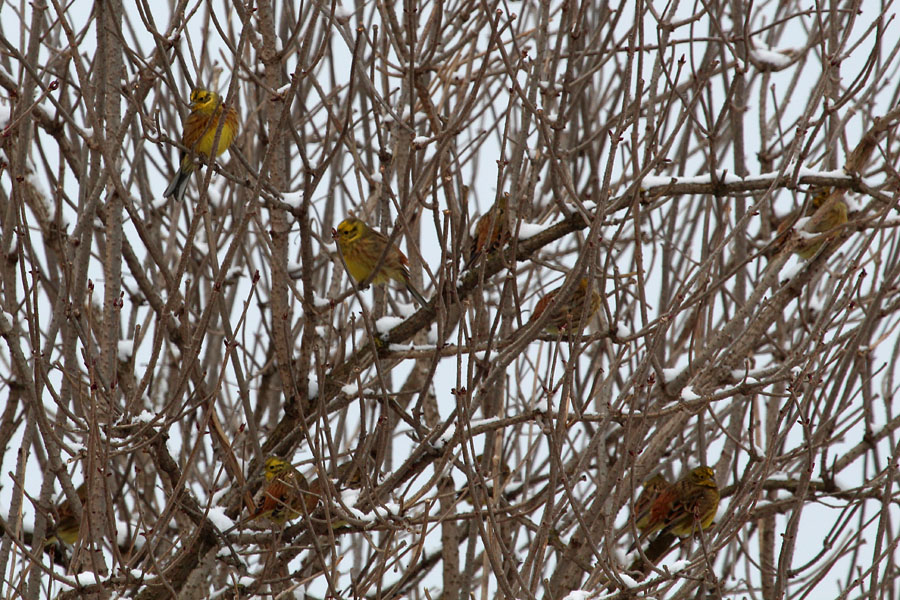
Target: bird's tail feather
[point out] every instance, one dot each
(415, 293)
(178, 185)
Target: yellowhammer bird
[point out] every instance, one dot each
(827, 228)
(285, 493)
(491, 231)
(363, 248)
(68, 528)
(681, 509)
(346, 476)
(652, 488)
(487, 495)
(199, 135)
(567, 316)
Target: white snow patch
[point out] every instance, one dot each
(790, 270)
(294, 200)
(389, 509)
(320, 302)
(173, 445)
(87, 578)
(446, 438)
(529, 230)
(350, 389)
(218, 518)
(854, 205)
(479, 422)
(125, 350)
(722, 176)
(411, 347)
(654, 181)
(679, 565)
(776, 60)
(145, 417)
(839, 173)
(385, 324)
(350, 497)
(369, 517)
(688, 394)
(672, 374)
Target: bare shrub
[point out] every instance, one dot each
(160, 351)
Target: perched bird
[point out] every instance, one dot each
(834, 217)
(652, 488)
(68, 528)
(363, 249)
(348, 475)
(491, 231)
(681, 509)
(567, 316)
(345, 476)
(501, 479)
(199, 135)
(285, 493)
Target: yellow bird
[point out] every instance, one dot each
(285, 493)
(567, 316)
(363, 248)
(68, 528)
(199, 135)
(487, 495)
(826, 228)
(491, 231)
(652, 488)
(681, 509)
